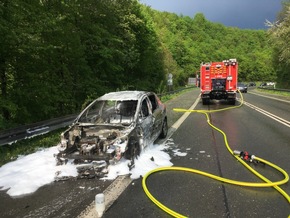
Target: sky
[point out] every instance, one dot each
(244, 14)
(28, 173)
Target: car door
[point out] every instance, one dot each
(157, 116)
(145, 120)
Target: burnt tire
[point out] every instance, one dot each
(133, 152)
(164, 129)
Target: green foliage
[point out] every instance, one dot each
(188, 42)
(53, 54)
(161, 88)
(279, 33)
(166, 97)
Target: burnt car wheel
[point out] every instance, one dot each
(133, 152)
(164, 129)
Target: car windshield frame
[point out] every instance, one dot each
(109, 112)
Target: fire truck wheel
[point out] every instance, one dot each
(232, 102)
(205, 101)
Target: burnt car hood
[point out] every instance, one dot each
(97, 140)
(101, 131)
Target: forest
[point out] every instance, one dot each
(58, 55)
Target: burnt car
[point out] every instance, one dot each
(242, 87)
(115, 125)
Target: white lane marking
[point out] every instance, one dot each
(177, 124)
(268, 114)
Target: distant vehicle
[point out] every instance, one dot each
(267, 84)
(251, 84)
(242, 87)
(116, 125)
(270, 83)
(218, 80)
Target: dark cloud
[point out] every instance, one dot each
(250, 14)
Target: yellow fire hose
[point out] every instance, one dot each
(267, 182)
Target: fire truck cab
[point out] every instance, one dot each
(218, 80)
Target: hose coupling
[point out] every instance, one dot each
(245, 155)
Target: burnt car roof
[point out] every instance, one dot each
(123, 95)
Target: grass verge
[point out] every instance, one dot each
(273, 92)
(168, 97)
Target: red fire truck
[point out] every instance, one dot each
(218, 80)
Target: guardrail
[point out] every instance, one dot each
(274, 89)
(10, 136)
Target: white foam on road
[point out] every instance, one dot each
(28, 173)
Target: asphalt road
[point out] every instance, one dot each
(196, 196)
(189, 194)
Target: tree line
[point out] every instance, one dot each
(279, 34)
(56, 55)
(191, 41)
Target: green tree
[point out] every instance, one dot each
(55, 55)
(192, 41)
(279, 33)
